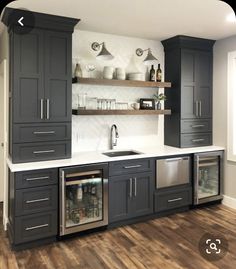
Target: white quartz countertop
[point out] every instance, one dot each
(97, 157)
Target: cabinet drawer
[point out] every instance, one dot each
(196, 140)
(43, 132)
(196, 126)
(33, 152)
(170, 199)
(35, 200)
(36, 226)
(130, 166)
(36, 178)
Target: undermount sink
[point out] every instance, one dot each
(120, 153)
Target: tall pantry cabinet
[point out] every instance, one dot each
(40, 87)
(188, 65)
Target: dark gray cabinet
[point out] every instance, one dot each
(33, 207)
(188, 65)
(40, 87)
(130, 194)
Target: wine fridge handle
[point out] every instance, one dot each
(196, 179)
(62, 210)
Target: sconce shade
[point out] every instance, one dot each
(104, 54)
(150, 59)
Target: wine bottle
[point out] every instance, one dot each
(159, 74)
(79, 193)
(152, 74)
(78, 71)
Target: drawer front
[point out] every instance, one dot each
(33, 152)
(36, 178)
(196, 126)
(38, 133)
(35, 200)
(133, 166)
(166, 200)
(196, 140)
(36, 226)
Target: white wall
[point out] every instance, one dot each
(92, 132)
(221, 49)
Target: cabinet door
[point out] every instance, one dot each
(142, 197)
(120, 195)
(204, 83)
(58, 76)
(27, 71)
(188, 84)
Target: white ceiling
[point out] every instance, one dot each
(151, 19)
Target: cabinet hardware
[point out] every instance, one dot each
(135, 187)
(36, 227)
(196, 108)
(48, 109)
(200, 108)
(198, 140)
(37, 200)
(39, 133)
(43, 151)
(130, 187)
(174, 159)
(62, 202)
(175, 200)
(36, 178)
(41, 109)
(132, 166)
(198, 126)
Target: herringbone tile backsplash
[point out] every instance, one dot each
(91, 133)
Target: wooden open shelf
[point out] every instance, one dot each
(124, 83)
(121, 112)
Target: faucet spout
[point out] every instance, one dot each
(114, 135)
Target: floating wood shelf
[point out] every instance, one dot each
(121, 112)
(124, 83)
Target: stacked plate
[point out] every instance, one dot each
(136, 76)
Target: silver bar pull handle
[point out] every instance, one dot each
(135, 187)
(42, 133)
(196, 109)
(174, 159)
(36, 227)
(41, 109)
(43, 151)
(198, 126)
(175, 200)
(37, 200)
(200, 108)
(48, 109)
(130, 187)
(198, 140)
(132, 166)
(36, 178)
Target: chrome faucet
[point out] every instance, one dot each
(114, 136)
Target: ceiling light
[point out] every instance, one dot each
(231, 17)
(150, 59)
(104, 54)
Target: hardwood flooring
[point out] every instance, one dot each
(164, 243)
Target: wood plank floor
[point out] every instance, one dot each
(165, 243)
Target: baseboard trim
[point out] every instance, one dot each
(229, 201)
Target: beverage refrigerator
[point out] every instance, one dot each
(208, 177)
(83, 198)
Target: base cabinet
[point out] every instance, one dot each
(33, 207)
(130, 196)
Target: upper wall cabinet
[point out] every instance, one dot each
(188, 65)
(40, 86)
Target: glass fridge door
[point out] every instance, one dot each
(208, 176)
(83, 198)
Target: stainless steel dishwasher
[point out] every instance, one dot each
(172, 171)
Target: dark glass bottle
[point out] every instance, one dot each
(152, 74)
(159, 74)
